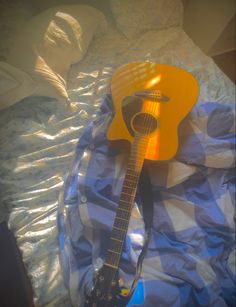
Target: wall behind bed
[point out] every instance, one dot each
(13, 14)
(37, 6)
(211, 25)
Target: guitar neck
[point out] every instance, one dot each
(127, 198)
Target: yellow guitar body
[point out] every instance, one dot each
(167, 93)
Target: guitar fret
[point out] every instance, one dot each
(128, 190)
(130, 184)
(133, 166)
(125, 205)
(132, 171)
(115, 246)
(111, 265)
(116, 239)
(139, 148)
(123, 223)
(122, 209)
(119, 235)
(117, 217)
(111, 251)
(126, 194)
(124, 214)
(112, 259)
(120, 229)
(130, 179)
(138, 152)
(125, 202)
(127, 198)
(132, 176)
(139, 144)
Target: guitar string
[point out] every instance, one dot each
(137, 142)
(147, 124)
(149, 129)
(113, 259)
(133, 151)
(147, 120)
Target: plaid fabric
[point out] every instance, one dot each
(191, 253)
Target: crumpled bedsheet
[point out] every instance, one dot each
(190, 257)
(38, 138)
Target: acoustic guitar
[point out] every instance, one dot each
(150, 100)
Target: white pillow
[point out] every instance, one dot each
(52, 41)
(135, 17)
(14, 85)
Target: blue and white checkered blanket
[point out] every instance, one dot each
(191, 253)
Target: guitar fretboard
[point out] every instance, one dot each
(127, 198)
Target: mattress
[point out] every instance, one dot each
(38, 138)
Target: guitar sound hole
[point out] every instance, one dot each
(144, 123)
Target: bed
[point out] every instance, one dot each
(40, 154)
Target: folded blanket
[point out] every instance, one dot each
(190, 257)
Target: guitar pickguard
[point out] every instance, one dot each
(131, 105)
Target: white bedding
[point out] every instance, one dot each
(38, 137)
(171, 46)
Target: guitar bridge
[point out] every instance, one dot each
(153, 95)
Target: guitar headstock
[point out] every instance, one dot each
(105, 290)
(167, 93)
